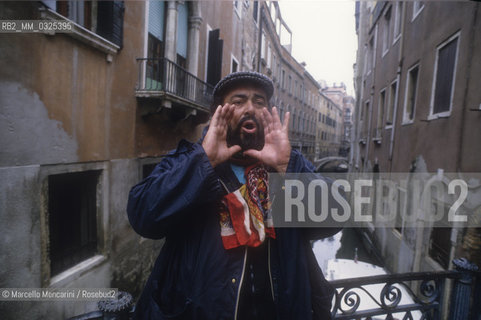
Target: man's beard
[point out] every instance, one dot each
(244, 140)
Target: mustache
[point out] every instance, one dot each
(246, 141)
(246, 118)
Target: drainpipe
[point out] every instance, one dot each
(259, 38)
(400, 63)
(466, 89)
(371, 104)
(369, 123)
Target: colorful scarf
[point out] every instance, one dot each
(245, 216)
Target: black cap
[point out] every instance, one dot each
(240, 78)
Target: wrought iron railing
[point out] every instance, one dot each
(159, 76)
(424, 302)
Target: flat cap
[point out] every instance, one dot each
(241, 78)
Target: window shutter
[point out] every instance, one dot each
(156, 19)
(110, 20)
(52, 4)
(182, 25)
(214, 62)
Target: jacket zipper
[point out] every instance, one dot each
(269, 266)
(240, 284)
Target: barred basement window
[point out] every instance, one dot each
(72, 208)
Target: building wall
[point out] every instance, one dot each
(65, 108)
(338, 96)
(427, 144)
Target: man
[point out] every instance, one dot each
(222, 257)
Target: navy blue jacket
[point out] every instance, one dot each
(194, 277)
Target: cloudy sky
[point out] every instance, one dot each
(323, 36)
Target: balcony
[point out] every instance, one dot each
(164, 84)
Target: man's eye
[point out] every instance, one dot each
(237, 102)
(261, 102)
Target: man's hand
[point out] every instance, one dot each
(277, 148)
(215, 144)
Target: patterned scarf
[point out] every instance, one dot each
(245, 216)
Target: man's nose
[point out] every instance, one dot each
(249, 108)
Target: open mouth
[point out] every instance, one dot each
(249, 127)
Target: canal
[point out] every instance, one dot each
(346, 244)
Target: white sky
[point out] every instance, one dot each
(323, 36)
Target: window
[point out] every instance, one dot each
(263, 46)
(272, 10)
(440, 245)
(380, 113)
(274, 70)
(364, 120)
(289, 85)
(371, 54)
(417, 7)
(234, 65)
(238, 8)
(269, 56)
(386, 31)
(214, 56)
(295, 89)
(444, 76)
(155, 45)
(401, 207)
(255, 10)
(411, 93)
(279, 69)
(182, 33)
(72, 218)
(105, 18)
(397, 20)
(391, 104)
(77, 11)
(283, 80)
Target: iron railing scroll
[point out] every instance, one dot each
(425, 297)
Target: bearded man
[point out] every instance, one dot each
(222, 257)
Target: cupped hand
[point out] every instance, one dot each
(215, 144)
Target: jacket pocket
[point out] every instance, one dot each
(170, 304)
